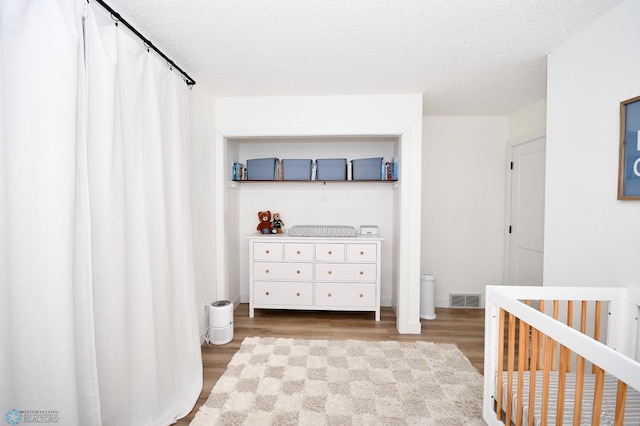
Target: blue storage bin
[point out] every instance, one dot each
(331, 169)
(366, 169)
(261, 168)
(296, 169)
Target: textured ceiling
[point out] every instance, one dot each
(467, 57)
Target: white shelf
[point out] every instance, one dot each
(313, 185)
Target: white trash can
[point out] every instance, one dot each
(221, 322)
(427, 296)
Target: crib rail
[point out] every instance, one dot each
(532, 333)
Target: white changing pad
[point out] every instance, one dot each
(322, 231)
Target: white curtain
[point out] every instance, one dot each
(97, 301)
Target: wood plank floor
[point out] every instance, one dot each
(463, 327)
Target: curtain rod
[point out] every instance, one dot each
(116, 16)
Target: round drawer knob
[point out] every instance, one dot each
(266, 251)
(361, 273)
(361, 295)
(297, 294)
(329, 272)
(298, 252)
(297, 272)
(329, 294)
(266, 271)
(267, 293)
(361, 253)
(330, 252)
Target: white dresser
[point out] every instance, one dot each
(339, 274)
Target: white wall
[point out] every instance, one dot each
(530, 121)
(202, 200)
(590, 237)
(399, 115)
(463, 196)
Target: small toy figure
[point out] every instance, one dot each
(264, 227)
(276, 224)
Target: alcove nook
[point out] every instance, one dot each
(323, 127)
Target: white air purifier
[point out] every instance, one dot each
(221, 322)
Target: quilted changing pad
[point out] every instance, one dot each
(322, 231)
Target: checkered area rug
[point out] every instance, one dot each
(274, 381)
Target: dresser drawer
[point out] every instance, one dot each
(282, 293)
(267, 251)
(346, 272)
(330, 252)
(345, 294)
(362, 252)
(298, 251)
(277, 271)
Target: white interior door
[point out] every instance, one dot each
(526, 227)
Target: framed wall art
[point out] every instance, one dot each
(629, 163)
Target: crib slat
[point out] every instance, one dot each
(562, 377)
(540, 341)
(554, 362)
(570, 324)
(596, 328)
(570, 313)
(621, 400)
(528, 336)
(598, 390)
(500, 363)
(577, 406)
(523, 334)
(532, 375)
(545, 379)
(583, 317)
(510, 363)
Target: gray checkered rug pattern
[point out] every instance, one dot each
(279, 381)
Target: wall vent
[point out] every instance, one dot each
(464, 300)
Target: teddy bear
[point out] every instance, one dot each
(276, 224)
(264, 227)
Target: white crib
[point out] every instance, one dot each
(561, 355)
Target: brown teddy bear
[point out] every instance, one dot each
(276, 224)
(264, 227)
